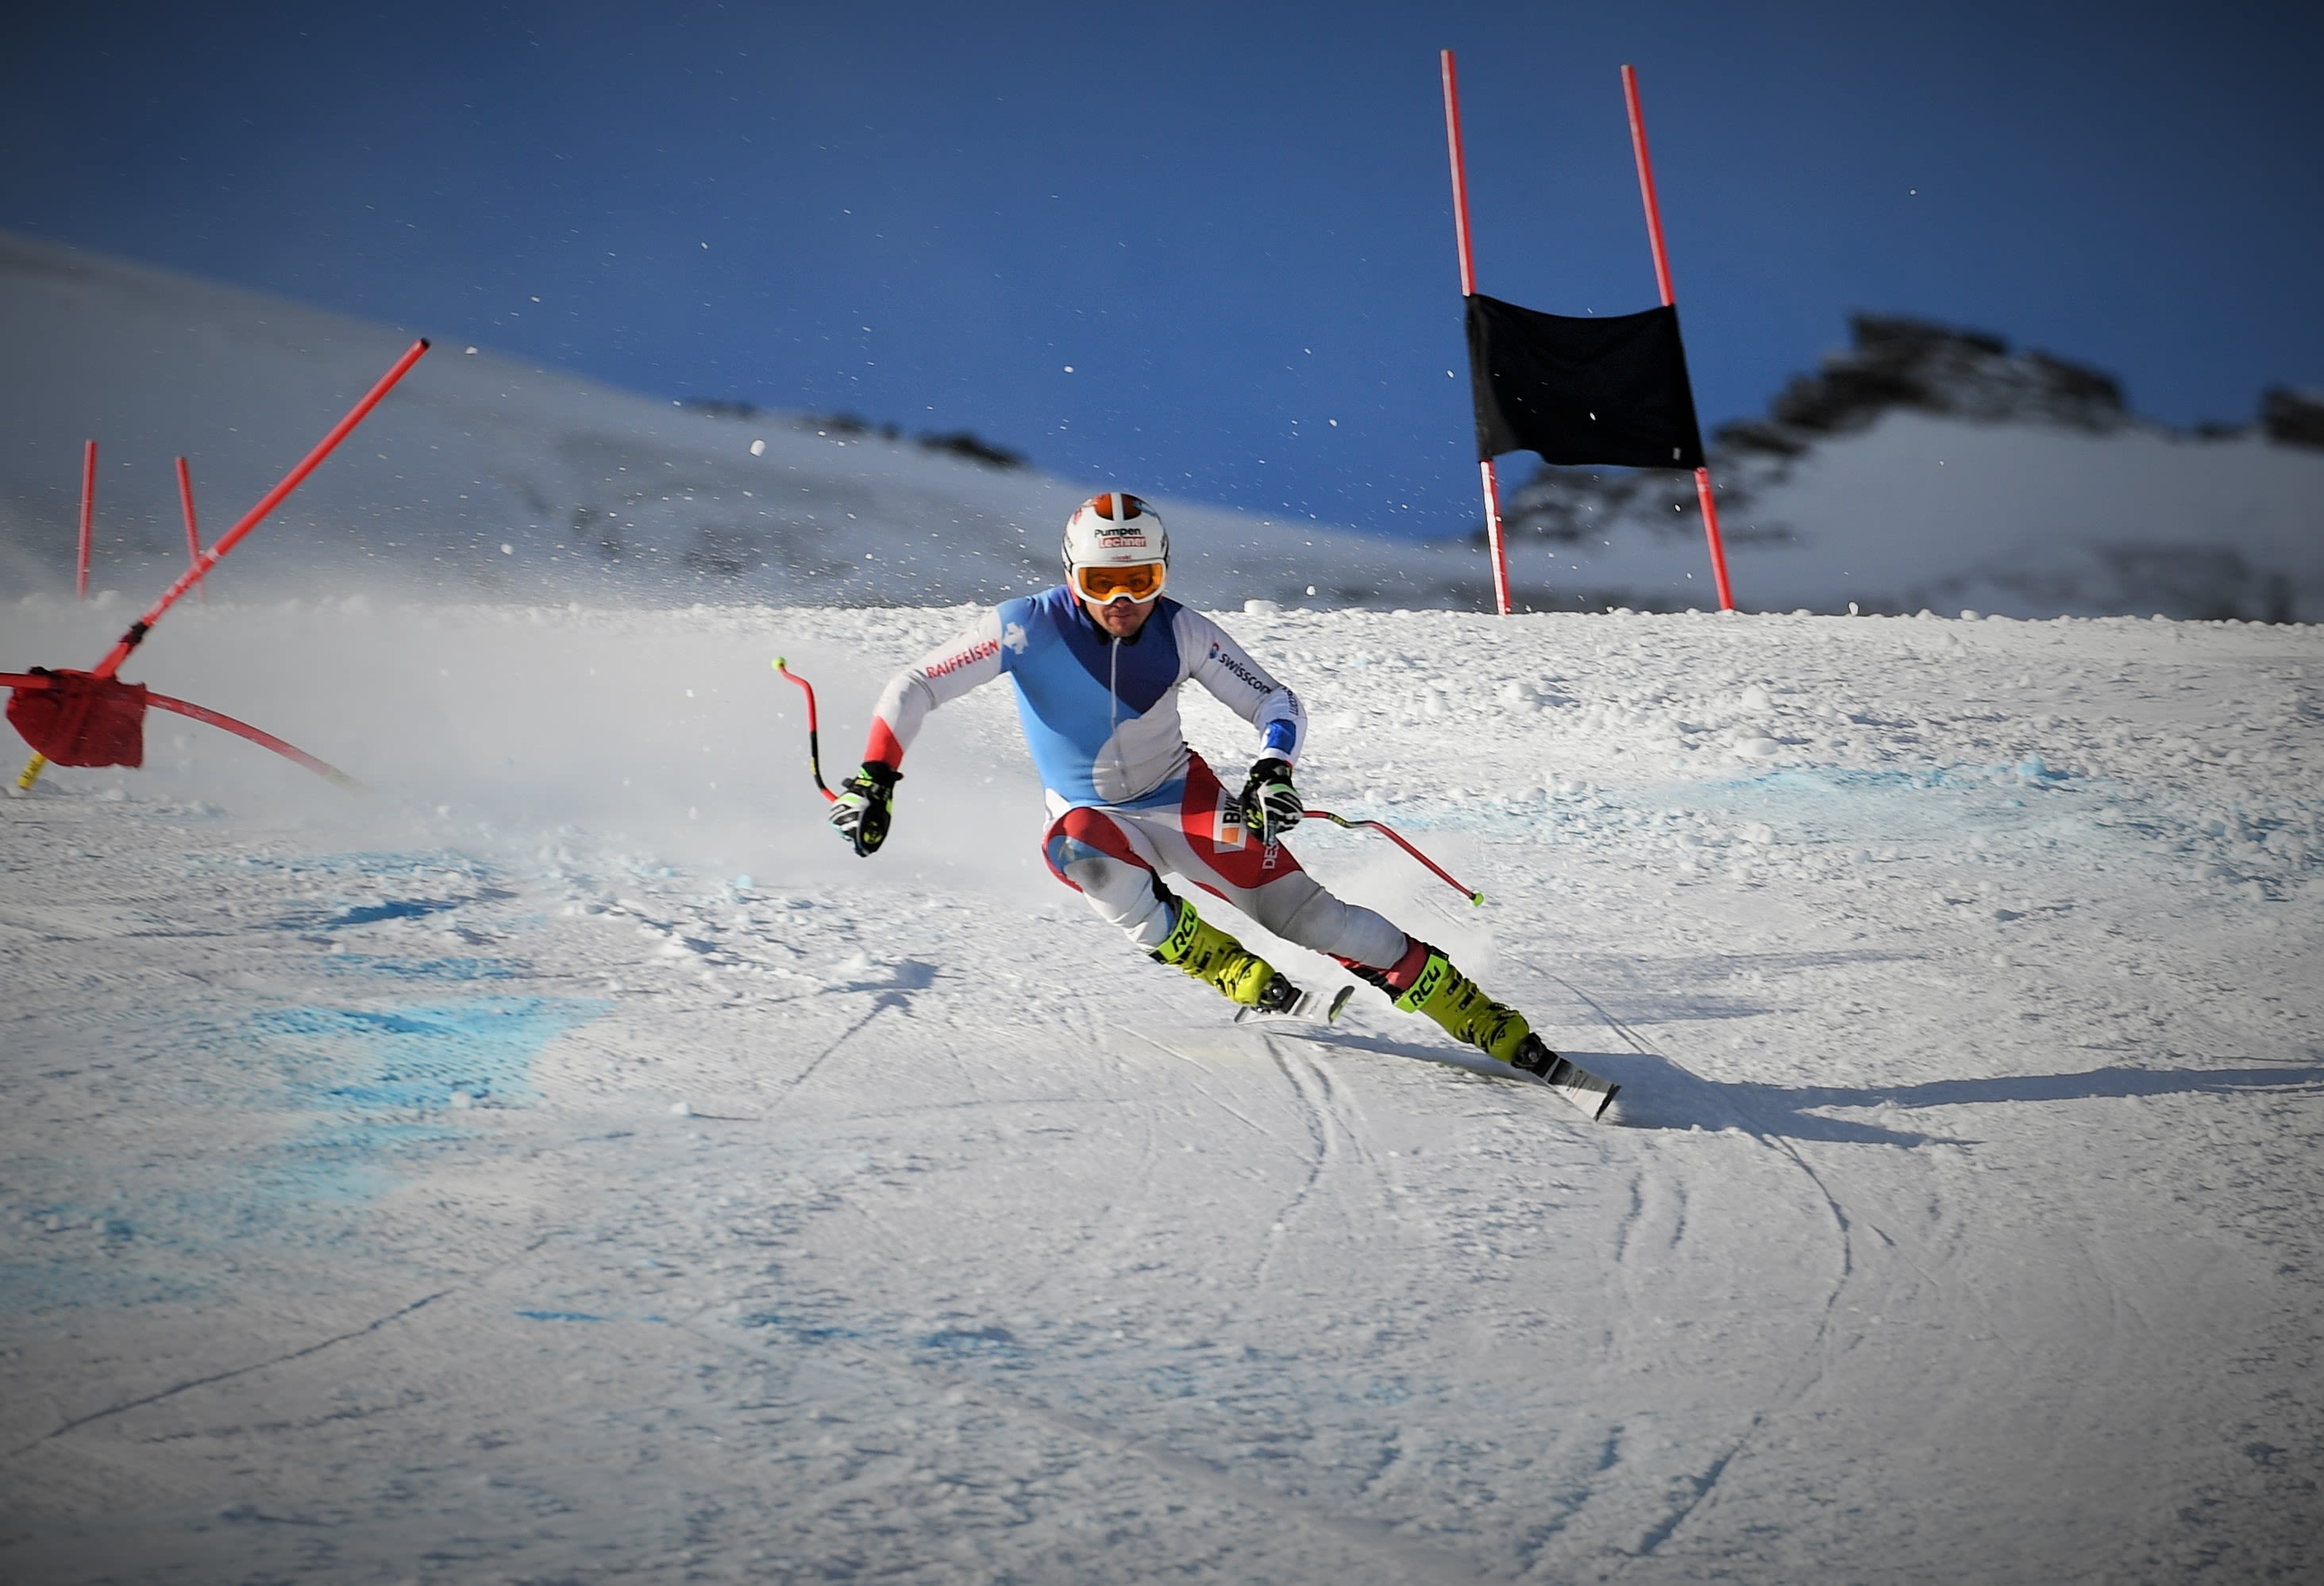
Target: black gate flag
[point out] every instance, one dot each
(1582, 391)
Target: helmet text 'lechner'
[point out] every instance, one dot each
(1116, 549)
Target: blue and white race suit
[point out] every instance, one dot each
(1127, 797)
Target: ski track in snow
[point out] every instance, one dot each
(566, 1161)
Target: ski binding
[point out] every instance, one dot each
(1307, 1004)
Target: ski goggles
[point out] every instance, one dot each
(1106, 583)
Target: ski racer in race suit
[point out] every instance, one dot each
(1098, 663)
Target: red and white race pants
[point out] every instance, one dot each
(1112, 856)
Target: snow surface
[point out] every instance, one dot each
(2025, 519)
(566, 1162)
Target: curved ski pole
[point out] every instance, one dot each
(1475, 898)
(813, 746)
(259, 736)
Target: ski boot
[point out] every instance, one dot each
(1439, 992)
(1216, 959)
(1453, 1001)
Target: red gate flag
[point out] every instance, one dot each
(1611, 389)
(74, 718)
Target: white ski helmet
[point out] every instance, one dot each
(1108, 535)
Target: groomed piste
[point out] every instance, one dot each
(566, 1161)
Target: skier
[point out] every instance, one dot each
(1098, 662)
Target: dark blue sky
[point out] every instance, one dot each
(1231, 222)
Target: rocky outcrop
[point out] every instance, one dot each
(2295, 418)
(1894, 361)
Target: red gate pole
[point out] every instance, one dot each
(274, 498)
(193, 534)
(1663, 280)
(1492, 484)
(88, 517)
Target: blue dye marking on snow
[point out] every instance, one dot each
(560, 1317)
(64, 1255)
(972, 1340)
(389, 1080)
(417, 1058)
(804, 1332)
(1170, 1381)
(393, 908)
(419, 968)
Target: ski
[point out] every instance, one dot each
(1309, 1005)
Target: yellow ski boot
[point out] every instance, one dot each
(1216, 959)
(1441, 992)
(1451, 999)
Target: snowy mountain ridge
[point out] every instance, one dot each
(1923, 468)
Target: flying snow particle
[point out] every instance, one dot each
(758, 448)
(507, 549)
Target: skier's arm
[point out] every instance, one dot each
(1244, 686)
(945, 673)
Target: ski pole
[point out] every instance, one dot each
(813, 748)
(1475, 898)
(814, 769)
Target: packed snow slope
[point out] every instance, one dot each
(1968, 479)
(565, 1162)
(480, 477)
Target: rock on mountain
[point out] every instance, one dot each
(1929, 466)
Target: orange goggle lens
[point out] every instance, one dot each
(1140, 582)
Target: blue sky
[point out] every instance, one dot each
(1200, 249)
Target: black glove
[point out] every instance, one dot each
(865, 801)
(1271, 806)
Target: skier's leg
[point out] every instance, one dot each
(1111, 861)
(1424, 980)
(1111, 865)
(1209, 845)
(1204, 841)
(1418, 977)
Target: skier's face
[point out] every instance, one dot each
(1122, 617)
